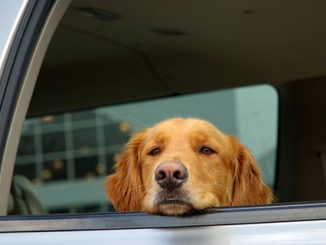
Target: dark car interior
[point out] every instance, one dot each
(113, 52)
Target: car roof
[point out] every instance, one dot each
(138, 50)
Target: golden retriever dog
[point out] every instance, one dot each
(182, 165)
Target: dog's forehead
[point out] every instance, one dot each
(184, 126)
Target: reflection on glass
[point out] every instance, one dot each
(73, 152)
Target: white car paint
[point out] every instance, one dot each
(10, 16)
(296, 233)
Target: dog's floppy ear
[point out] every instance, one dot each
(248, 185)
(125, 187)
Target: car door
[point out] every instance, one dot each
(30, 31)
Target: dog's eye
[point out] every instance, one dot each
(155, 151)
(207, 150)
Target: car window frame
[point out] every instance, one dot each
(276, 213)
(34, 33)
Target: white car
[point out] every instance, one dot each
(77, 77)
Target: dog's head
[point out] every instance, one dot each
(181, 165)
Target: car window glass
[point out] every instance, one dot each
(67, 156)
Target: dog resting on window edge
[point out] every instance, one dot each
(182, 165)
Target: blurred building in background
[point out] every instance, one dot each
(67, 156)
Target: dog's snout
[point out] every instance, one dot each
(171, 174)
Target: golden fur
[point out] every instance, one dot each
(220, 170)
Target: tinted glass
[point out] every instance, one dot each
(68, 156)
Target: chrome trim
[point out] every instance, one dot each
(291, 233)
(23, 101)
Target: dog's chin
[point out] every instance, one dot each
(176, 202)
(174, 207)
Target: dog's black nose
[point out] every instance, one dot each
(171, 174)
